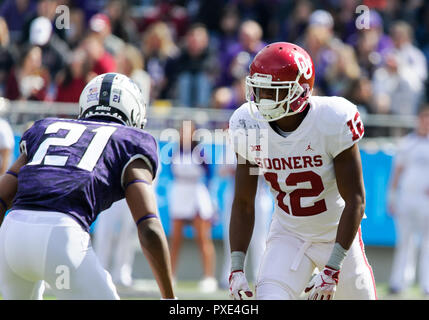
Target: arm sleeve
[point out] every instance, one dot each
(238, 135)
(351, 129)
(28, 142)
(143, 147)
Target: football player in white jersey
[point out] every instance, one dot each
(306, 148)
(408, 203)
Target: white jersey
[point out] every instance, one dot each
(299, 167)
(413, 157)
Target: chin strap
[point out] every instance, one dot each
(302, 101)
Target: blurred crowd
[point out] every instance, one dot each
(196, 53)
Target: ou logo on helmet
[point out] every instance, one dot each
(304, 65)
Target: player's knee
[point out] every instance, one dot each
(273, 291)
(358, 287)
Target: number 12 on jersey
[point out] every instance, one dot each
(356, 127)
(295, 196)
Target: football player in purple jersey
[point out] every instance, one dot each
(67, 173)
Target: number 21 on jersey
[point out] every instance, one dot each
(75, 130)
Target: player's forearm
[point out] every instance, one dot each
(4, 160)
(350, 221)
(8, 187)
(3, 166)
(155, 247)
(346, 232)
(241, 225)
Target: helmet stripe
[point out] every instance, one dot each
(105, 90)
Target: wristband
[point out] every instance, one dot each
(237, 260)
(337, 257)
(136, 181)
(12, 173)
(148, 216)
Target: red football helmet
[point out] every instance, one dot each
(280, 66)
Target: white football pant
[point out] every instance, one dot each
(37, 246)
(289, 262)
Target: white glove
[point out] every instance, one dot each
(323, 285)
(237, 283)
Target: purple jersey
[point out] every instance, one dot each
(77, 166)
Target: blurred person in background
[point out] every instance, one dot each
(74, 77)
(7, 144)
(194, 70)
(229, 97)
(345, 18)
(422, 34)
(100, 25)
(16, 13)
(28, 80)
(399, 85)
(370, 44)
(411, 60)
(393, 89)
(342, 74)
(249, 43)
(222, 98)
(360, 93)
(122, 25)
(129, 61)
(55, 51)
(77, 30)
(8, 53)
(293, 27)
(190, 203)
(173, 13)
(158, 47)
(101, 60)
(408, 202)
(228, 30)
(262, 12)
(399, 82)
(321, 43)
(323, 19)
(46, 9)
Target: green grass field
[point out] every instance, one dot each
(188, 290)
